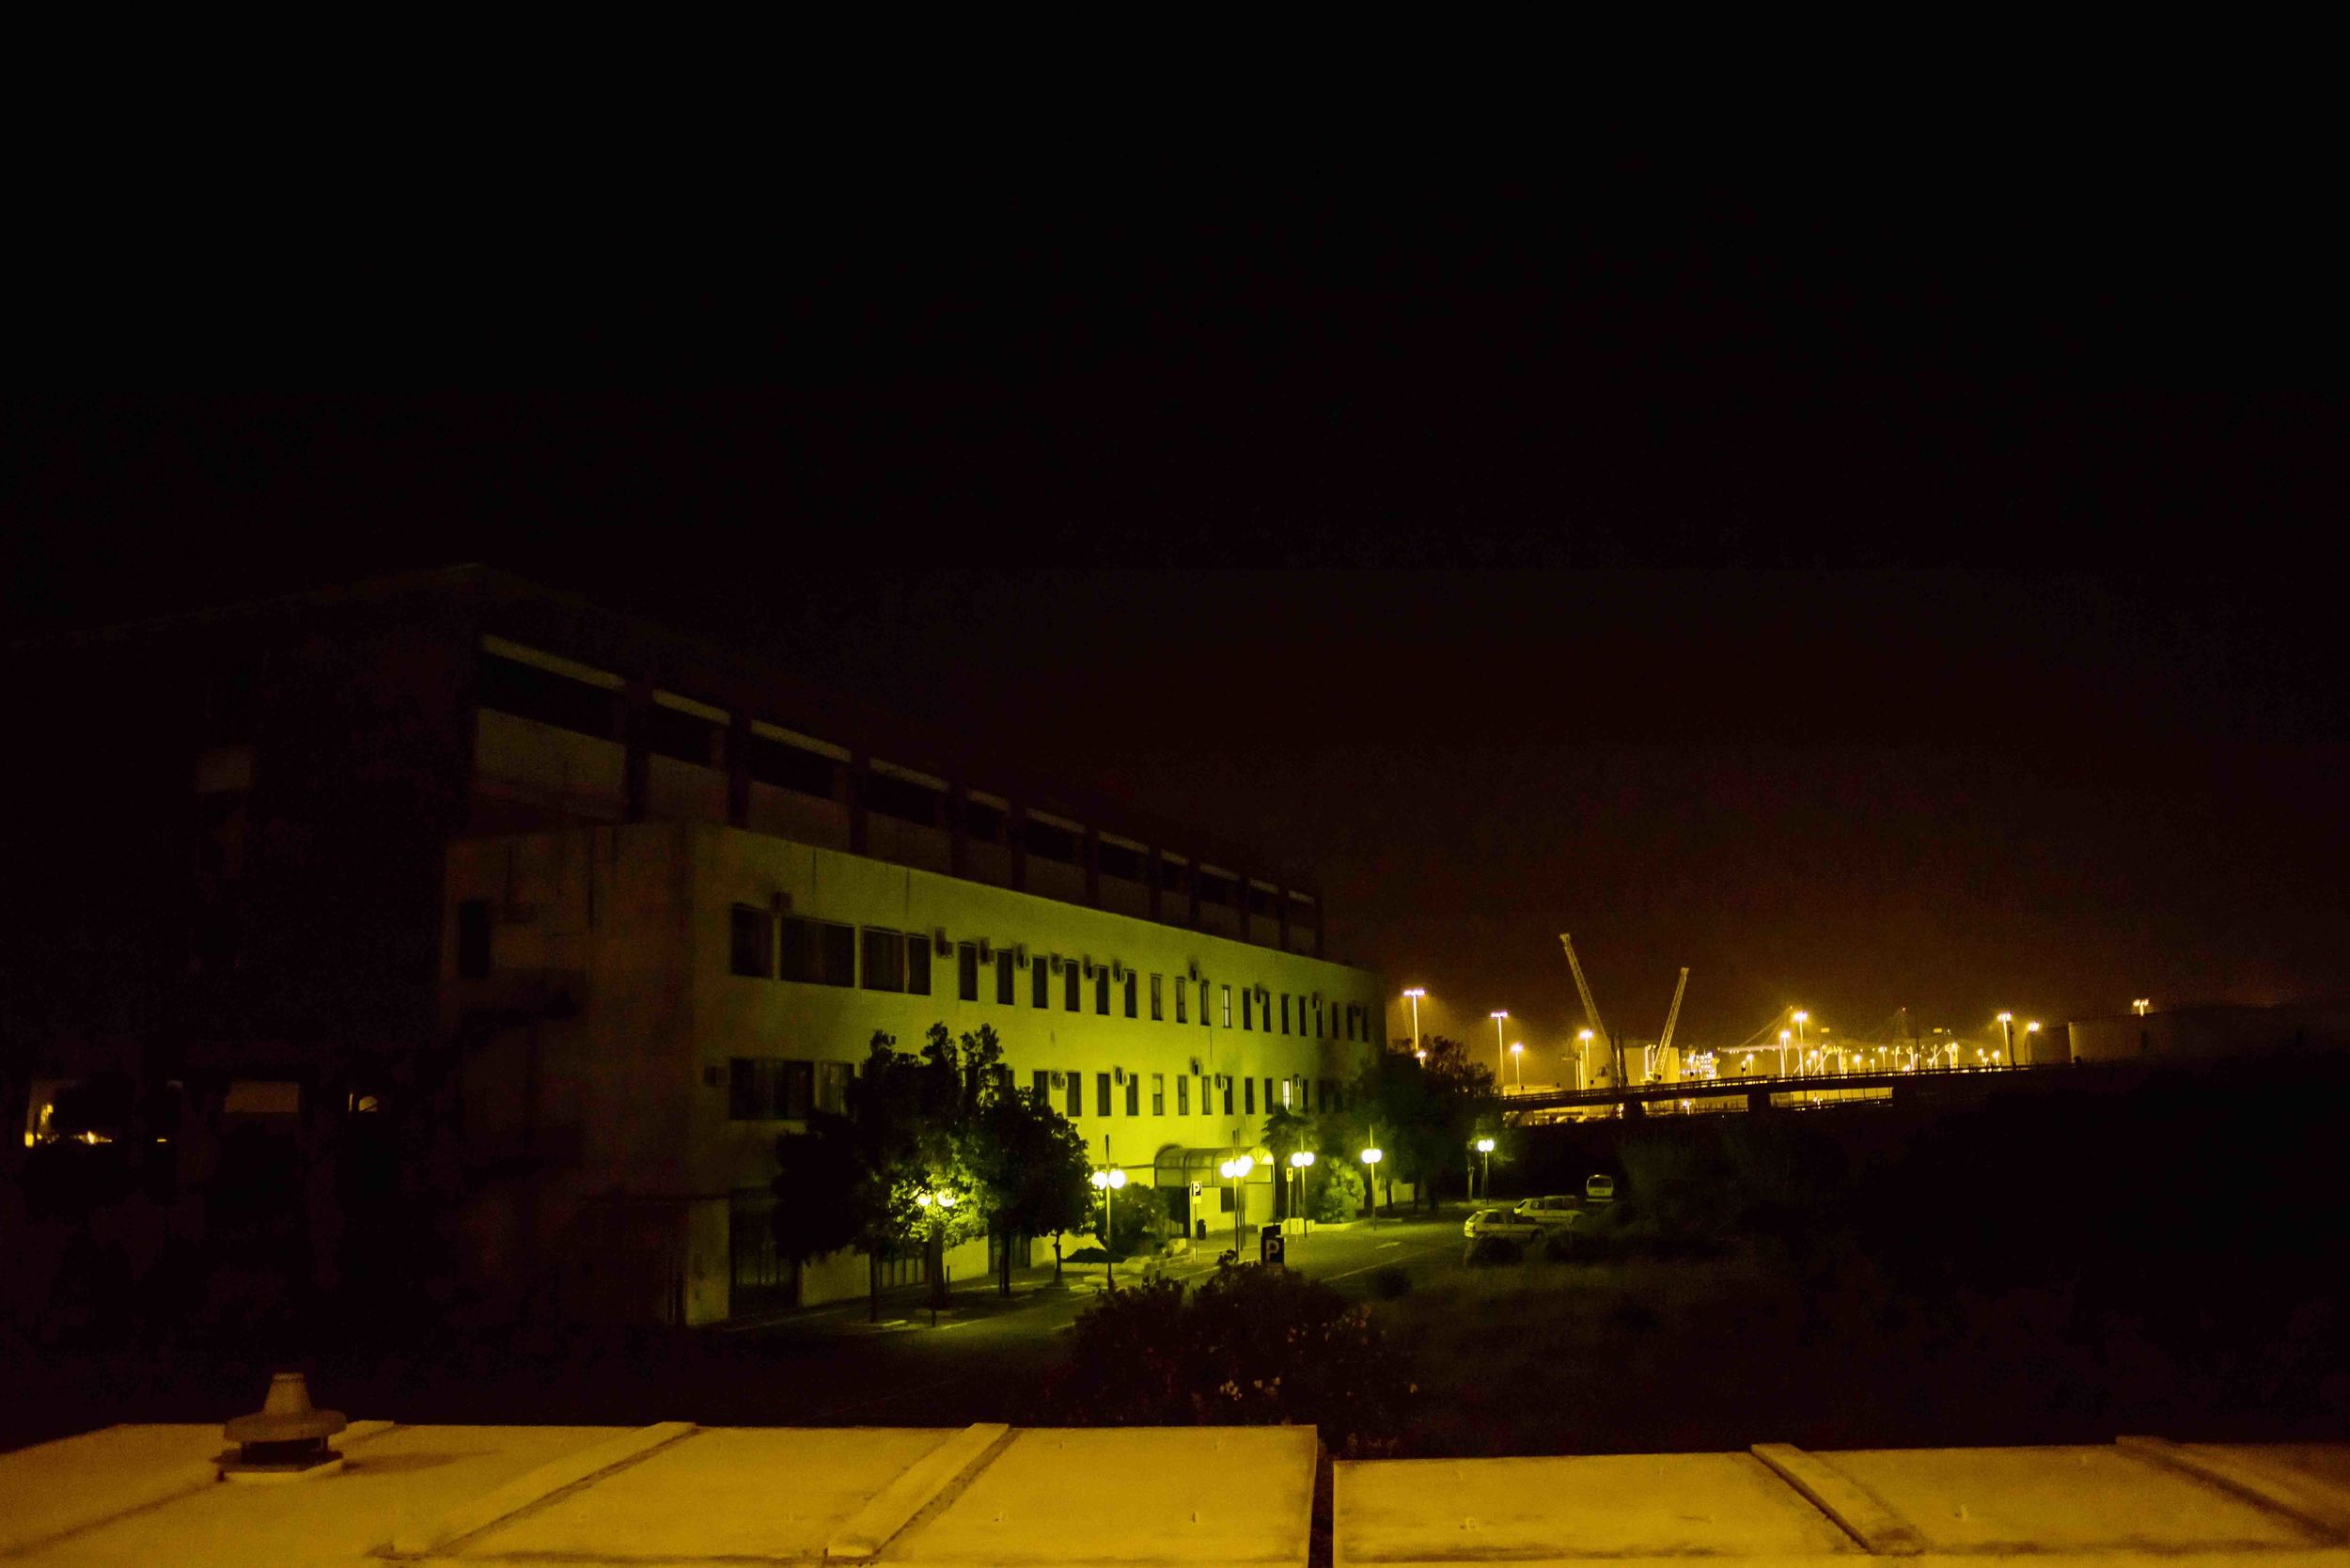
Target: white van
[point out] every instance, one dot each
(1600, 1189)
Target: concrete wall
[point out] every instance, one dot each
(2210, 1033)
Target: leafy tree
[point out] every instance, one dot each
(1286, 1132)
(1032, 1168)
(1424, 1112)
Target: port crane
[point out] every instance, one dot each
(1672, 1016)
(1591, 1008)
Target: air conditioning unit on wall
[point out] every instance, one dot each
(1056, 963)
(987, 950)
(1194, 973)
(938, 940)
(1060, 1080)
(1089, 964)
(1020, 956)
(1195, 1068)
(1118, 1074)
(1117, 971)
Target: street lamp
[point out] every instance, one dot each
(1784, 1036)
(1498, 1018)
(1232, 1171)
(2143, 1005)
(2007, 1033)
(1413, 995)
(1300, 1163)
(1371, 1156)
(1106, 1181)
(1582, 1057)
(1485, 1185)
(2030, 1029)
(1517, 1061)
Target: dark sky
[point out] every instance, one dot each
(1867, 599)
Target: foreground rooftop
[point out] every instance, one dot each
(675, 1493)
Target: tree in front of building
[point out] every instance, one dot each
(1032, 1168)
(1423, 1112)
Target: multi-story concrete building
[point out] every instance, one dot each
(456, 883)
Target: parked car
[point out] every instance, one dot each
(1551, 1212)
(1499, 1224)
(1600, 1189)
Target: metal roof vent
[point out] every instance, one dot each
(285, 1439)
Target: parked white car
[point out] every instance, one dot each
(1553, 1212)
(1500, 1225)
(1600, 1189)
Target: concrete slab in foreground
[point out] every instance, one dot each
(2106, 1505)
(993, 1495)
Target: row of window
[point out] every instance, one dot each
(764, 944)
(528, 691)
(760, 1089)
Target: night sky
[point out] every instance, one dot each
(1868, 600)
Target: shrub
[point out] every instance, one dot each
(1561, 1246)
(1334, 1192)
(1251, 1347)
(1493, 1250)
(1391, 1280)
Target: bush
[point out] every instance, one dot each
(1143, 1226)
(1493, 1250)
(1334, 1192)
(1391, 1280)
(1561, 1246)
(1251, 1347)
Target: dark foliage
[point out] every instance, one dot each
(1251, 1347)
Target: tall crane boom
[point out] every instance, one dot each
(1583, 987)
(1672, 1014)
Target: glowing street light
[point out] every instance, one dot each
(1108, 1180)
(1300, 1162)
(2142, 1005)
(1484, 1186)
(1784, 1036)
(1517, 1061)
(1500, 1019)
(1371, 1156)
(1413, 995)
(2030, 1029)
(1582, 1057)
(1232, 1171)
(2007, 1033)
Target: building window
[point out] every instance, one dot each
(967, 971)
(764, 1089)
(1183, 1095)
(1041, 1086)
(1268, 1096)
(1249, 1096)
(1069, 975)
(832, 1087)
(1102, 991)
(918, 965)
(1158, 1004)
(1181, 1012)
(1101, 1094)
(1285, 1094)
(1285, 1013)
(1228, 1096)
(1004, 981)
(1077, 1083)
(1228, 1012)
(1133, 1094)
(751, 943)
(1040, 981)
(1321, 1096)
(472, 940)
(1248, 1008)
(1158, 1094)
(1131, 980)
(817, 952)
(885, 959)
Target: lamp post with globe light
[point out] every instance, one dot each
(1299, 1163)
(1107, 1181)
(1372, 1154)
(1413, 995)
(1485, 1185)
